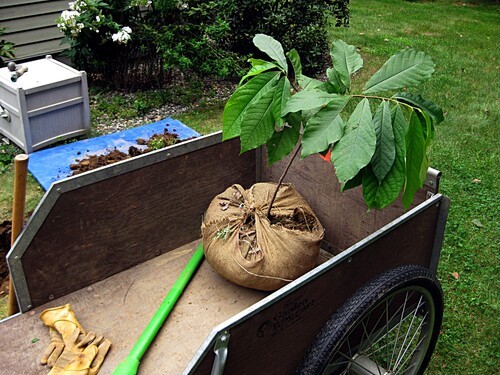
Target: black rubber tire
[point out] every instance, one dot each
(366, 300)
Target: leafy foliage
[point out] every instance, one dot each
(7, 154)
(6, 48)
(133, 44)
(384, 150)
(406, 68)
(302, 24)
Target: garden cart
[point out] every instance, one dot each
(111, 242)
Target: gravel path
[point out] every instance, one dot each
(219, 91)
(107, 125)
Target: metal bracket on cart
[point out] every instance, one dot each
(432, 182)
(220, 350)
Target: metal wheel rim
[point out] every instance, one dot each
(402, 335)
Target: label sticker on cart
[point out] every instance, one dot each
(291, 313)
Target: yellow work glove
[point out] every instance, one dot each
(75, 351)
(54, 349)
(80, 365)
(63, 320)
(66, 322)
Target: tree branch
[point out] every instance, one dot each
(281, 181)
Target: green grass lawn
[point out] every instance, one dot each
(463, 38)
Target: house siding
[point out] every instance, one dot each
(31, 26)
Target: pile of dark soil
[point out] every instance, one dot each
(97, 161)
(155, 142)
(5, 235)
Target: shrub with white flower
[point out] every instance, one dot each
(122, 36)
(68, 23)
(88, 15)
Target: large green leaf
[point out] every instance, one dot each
(281, 97)
(294, 57)
(385, 151)
(241, 100)
(353, 182)
(405, 68)
(258, 122)
(415, 152)
(258, 66)
(380, 194)
(346, 61)
(427, 128)
(324, 128)
(416, 100)
(307, 83)
(355, 149)
(272, 48)
(428, 133)
(335, 81)
(306, 100)
(257, 62)
(284, 141)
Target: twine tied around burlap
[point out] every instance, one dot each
(244, 246)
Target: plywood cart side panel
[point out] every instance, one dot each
(98, 229)
(275, 339)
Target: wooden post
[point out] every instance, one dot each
(18, 204)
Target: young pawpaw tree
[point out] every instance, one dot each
(378, 141)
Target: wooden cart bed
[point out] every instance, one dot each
(120, 308)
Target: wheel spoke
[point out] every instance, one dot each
(418, 330)
(335, 365)
(397, 334)
(409, 329)
(388, 331)
(349, 347)
(379, 349)
(384, 313)
(350, 360)
(387, 320)
(408, 357)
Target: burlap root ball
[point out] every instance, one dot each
(245, 247)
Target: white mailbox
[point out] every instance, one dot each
(46, 104)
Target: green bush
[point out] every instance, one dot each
(190, 35)
(6, 48)
(134, 44)
(299, 24)
(7, 154)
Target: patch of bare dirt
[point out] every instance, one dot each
(5, 236)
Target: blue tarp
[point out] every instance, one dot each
(52, 164)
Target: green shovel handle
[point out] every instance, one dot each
(131, 363)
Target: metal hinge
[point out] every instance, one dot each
(4, 113)
(220, 350)
(432, 180)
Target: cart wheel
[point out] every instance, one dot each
(390, 326)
